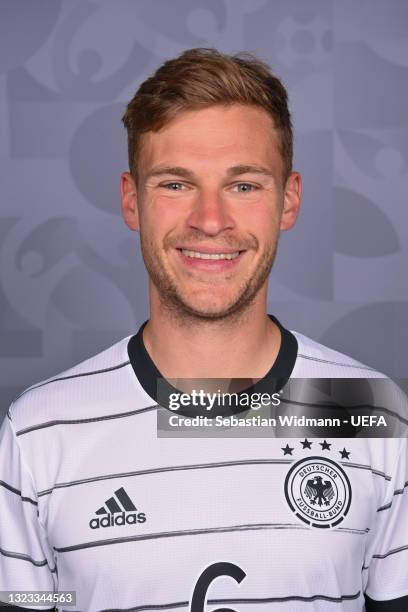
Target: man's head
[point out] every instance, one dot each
(211, 182)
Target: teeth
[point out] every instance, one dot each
(198, 255)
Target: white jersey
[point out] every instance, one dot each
(93, 501)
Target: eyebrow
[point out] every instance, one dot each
(189, 174)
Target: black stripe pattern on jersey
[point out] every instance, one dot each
(17, 492)
(336, 363)
(191, 532)
(106, 417)
(158, 470)
(198, 466)
(24, 557)
(236, 601)
(81, 374)
(393, 551)
(396, 492)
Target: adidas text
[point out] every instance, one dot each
(119, 518)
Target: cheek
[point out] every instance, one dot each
(169, 210)
(158, 217)
(260, 221)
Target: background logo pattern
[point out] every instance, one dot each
(72, 280)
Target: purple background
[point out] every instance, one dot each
(72, 280)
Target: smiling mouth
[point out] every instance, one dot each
(213, 256)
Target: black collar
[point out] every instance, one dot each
(274, 380)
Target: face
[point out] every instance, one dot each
(210, 204)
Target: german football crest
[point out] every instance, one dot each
(318, 492)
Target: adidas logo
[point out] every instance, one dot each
(121, 511)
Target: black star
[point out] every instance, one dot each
(325, 445)
(306, 443)
(345, 454)
(287, 450)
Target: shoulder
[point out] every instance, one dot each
(317, 360)
(369, 387)
(88, 384)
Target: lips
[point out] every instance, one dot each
(209, 256)
(210, 260)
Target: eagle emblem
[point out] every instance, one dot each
(319, 492)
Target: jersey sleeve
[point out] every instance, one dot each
(26, 559)
(386, 561)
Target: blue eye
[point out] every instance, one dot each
(245, 187)
(173, 186)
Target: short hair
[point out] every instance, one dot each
(203, 77)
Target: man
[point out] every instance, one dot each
(93, 501)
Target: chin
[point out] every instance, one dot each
(210, 310)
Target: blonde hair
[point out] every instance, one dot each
(203, 77)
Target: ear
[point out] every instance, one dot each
(128, 195)
(291, 201)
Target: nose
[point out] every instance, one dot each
(210, 214)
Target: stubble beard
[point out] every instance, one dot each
(171, 297)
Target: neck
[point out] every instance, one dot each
(243, 345)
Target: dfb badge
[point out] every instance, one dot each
(318, 492)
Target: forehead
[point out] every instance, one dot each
(213, 136)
